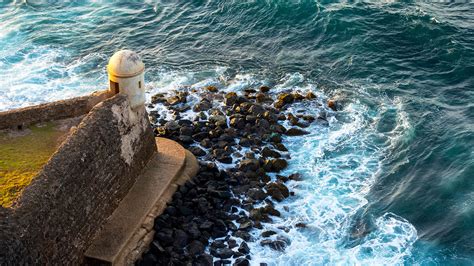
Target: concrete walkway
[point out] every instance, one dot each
(129, 230)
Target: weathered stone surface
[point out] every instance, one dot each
(64, 205)
(52, 111)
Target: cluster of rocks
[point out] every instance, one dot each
(238, 142)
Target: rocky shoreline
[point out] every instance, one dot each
(238, 142)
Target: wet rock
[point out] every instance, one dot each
(230, 98)
(279, 104)
(275, 138)
(204, 105)
(295, 177)
(223, 253)
(242, 234)
(195, 248)
(158, 98)
(296, 132)
(267, 152)
(269, 209)
(212, 89)
(332, 104)
(231, 243)
(249, 165)
(197, 151)
(293, 119)
(277, 191)
(174, 100)
(244, 248)
(186, 139)
(241, 262)
(286, 97)
(310, 95)
(278, 245)
(280, 147)
(268, 233)
(256, 110)
(260, 98)
(171, 126)
(180, 238)
(275, 165)
(237, 122)
(264, 89)
(300, 225)
(215, 119)
(165, 236)
(256, 194)
(203, 260)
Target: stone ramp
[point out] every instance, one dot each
(129, 230)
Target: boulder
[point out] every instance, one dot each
(277, 191)
(296, 132)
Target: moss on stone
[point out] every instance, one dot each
(22, 156)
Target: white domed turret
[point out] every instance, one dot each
(127, 76)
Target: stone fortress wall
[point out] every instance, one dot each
(95, 200)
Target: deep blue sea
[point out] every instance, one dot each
(390, 181)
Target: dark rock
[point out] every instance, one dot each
(156, 247)
(268, 233)
(173, 100)
(249, 165)
(224, 159)
(207, 225)
(269, 209)
(241, 262)
(231, 243)
(260, 97)
(203, 260)
(296, 132)
(218, 244)
(300, 225)
(295, 177)
(279, 147)
(212, 89)
(149, 259)
(186, 139)
(279, 104)
(246, 225)
(171, 126)
(193, 230)
(244, 248)
(275, 165)
(230, 98)
(256, 109)
(286, 97)
(195, 248)
(204, 105)
(267, 152)
(185, 210)
(223, 253)
(264, 89)
(256, 194)
(278, 245)
(310, 95)
(197, 151)
(180, 238)
(277, 191)
(275, 138)
(332, 104)
(244, 235)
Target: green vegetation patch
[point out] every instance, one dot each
(22, 155)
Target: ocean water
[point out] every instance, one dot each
(389, 180)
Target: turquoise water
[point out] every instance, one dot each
(389, 181)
